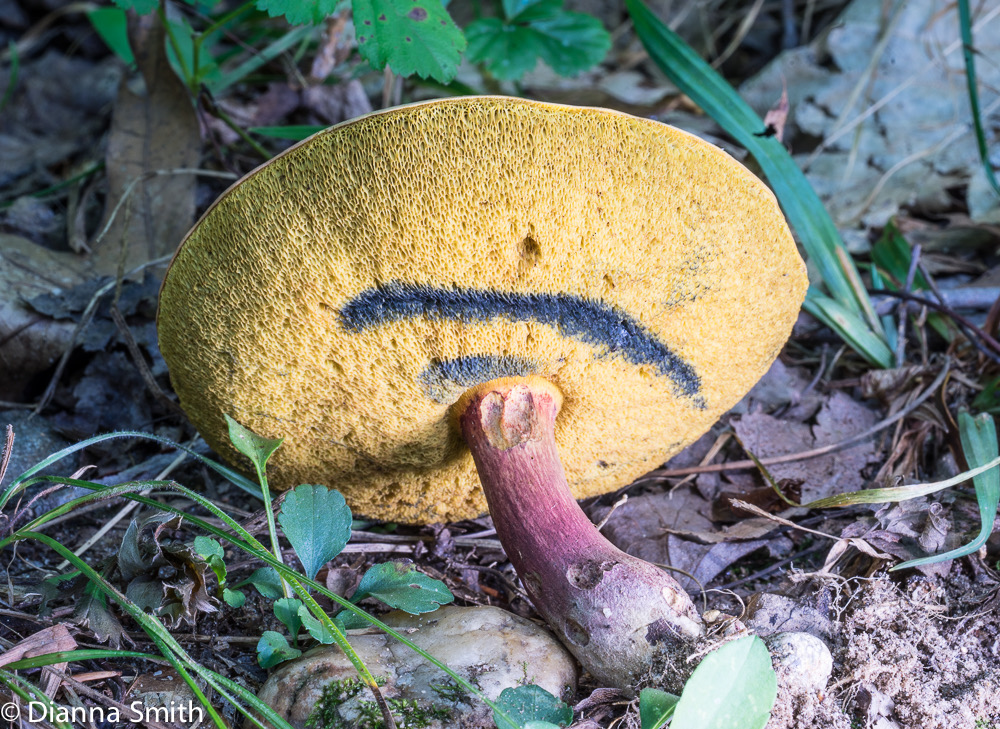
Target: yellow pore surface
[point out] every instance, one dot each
(491, 195)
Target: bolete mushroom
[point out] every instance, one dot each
(555, 298)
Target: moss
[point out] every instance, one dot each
(326, 713)
(407, 713)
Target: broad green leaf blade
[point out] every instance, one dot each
(317, 522)
(255, 447)
(299, 12)
(267, 582)
(655, 707)
(234, 598)
(526, 704)
(401, 586)
(287, 611)
(411, 36)
(572, 42)
(211, 551)
(273, 648)
(568, 42)
(979, 444)
(805, 212)
(111, 25)
(734, 686)
(508, 51)
(851, 328)
(316, 629)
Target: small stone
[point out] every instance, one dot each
(488, 646)
(803, 657)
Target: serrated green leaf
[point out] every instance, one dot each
(568, 42)
(299, 12)
(411, 36)
(317, 522)
(979, 444)
(234, 598)
(572, 42)
(143, 7)
(528, 704)
(316, 629)
(655, 707)
(287, 611)
(734, 686)
(273, 648)
(267, 582)
(401, 586)
(255, 447)
(507, 51)
(111, 26)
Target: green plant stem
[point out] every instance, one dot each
(238, 537)
(969, 53)
(189, 75)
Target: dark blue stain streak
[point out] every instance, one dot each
(441, 378)
(573, 316)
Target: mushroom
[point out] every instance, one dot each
(554, 298)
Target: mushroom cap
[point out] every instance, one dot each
(346, 294)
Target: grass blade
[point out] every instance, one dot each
(805, 212)
(969, 53)
(979, 443)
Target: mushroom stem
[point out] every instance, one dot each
(609, 608)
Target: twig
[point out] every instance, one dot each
(804, 455)
(948, 311)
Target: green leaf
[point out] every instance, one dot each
(734, 686)
(211, 551)
(401, 586)
(988, 401)
(655, 707)
(524, 11)
(316, 629)
(267, 582)
(111, 26)
(849, 327)
(979, 444)
(527, 704)
(296, 133)
(143, 7)
(273, 648)
(317, 522)
(411, 36)
(255, 447)
(799, 201)
(287, 611)
(234, 598)
(568, 42)
(299, 12)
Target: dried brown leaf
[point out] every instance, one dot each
(152, 130)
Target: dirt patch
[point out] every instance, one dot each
(922, 656)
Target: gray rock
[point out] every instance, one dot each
(490, 647)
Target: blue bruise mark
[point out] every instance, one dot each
(444, 380)
(575, 317)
